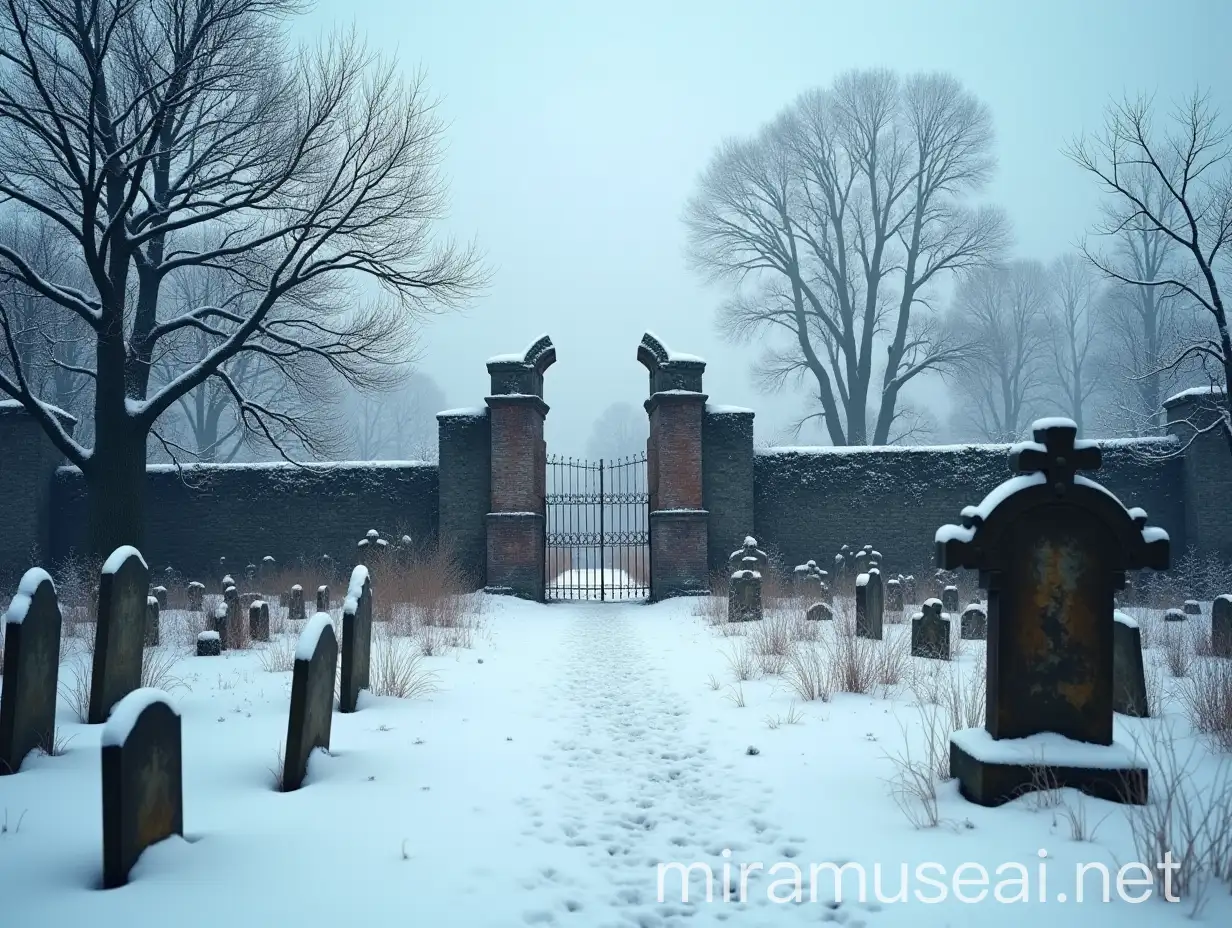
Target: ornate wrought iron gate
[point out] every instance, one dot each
(598, 529)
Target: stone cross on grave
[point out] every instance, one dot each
(1052, 549)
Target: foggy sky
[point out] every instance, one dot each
(577, 130)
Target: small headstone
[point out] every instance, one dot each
(949, 599)
(1192, 607)
(31, 662)
(930, 633)
(820, 612)
(748, 557)
(1221, 626)
(258, 621)
(122, 592)
(1175, 615)
(807, 581)
(312, 698)
(268, 566)
(908, 589)
(151, 622)
(361, 551)
(356, 639)
(868, 611)
(209, 644)
(160, 593)
(894, 596)
(227, 580)
(323, 599)
(250, 572)
(247, 599)
(235, 619)
(1128, 673)
(744, 597)
(196, 596)
(295, 612)
(218, 624)
(372, 535)
(143, 791)
(974, 623)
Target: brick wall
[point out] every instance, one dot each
(811, 501)
(1207, 472)
(27, 460)
(466, 487)
(246, 511)
(727, 479)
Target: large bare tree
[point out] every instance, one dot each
(162, 135)
(834, 223)
(1076, 335)
(1003, 381)
(1169, 195)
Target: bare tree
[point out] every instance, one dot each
(834, 223)
(162, 135)
(619, 431)
(1075, 334)
(399, 423)
(1173, 190)
(1003, 381)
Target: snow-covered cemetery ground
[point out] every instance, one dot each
(548, 764)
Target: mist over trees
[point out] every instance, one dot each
(620, 431)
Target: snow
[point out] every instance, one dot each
(208, 636)
(1000, 448)
(1045, 748)
(715, 410)
(516, 358)
(862, 580)
(119, 556)
(1137, 512)
(464, 412)
(127, 711)
(677, 355)
(30, 580)
(1154, 533)
(1053, 422)
(1124, 619)
(311, 634)
(750, 541)
(1193, 393)
(48, 407)
(359, 576)
(947, 533)
(196, 467)
(296, 586)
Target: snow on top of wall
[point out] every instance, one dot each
(677, 355)
(317, 466)
(469, 412)
(1003, 448)
(119, 556)
(518, 358)
(26, 589)
(311, 635)
(715, 410)
(128, 710)
(54, 410)
(1193, 393)
(355, 589)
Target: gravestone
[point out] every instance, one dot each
(227, 581)
(258, 621)
(807, 581)
(151, 622)
(122, 591)
(874, 559)
(1128, 673)
(949, 599)
(323, 598)
(31, 631)
(235, 619)
(894, 596)
(1192, 607)
(250, 572)
(196, 596)
(356, 639)
(1051, 549)
(143, 789)
(974, 623)
(268, 566)
(908, 590)
(819, 612)
(744, 597)
(930, 633)
(209, 644)
(860, 562)
(312, 698)
(1221, 626)
(295, 612)
(1175, 615)
(218, 624)
(160, 594)
(361, 551)
(748, 557)
(869, 615)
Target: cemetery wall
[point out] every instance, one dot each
(27, 458)
(246, 511)
(727, 479)
(811, 501)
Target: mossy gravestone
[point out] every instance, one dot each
(312, 698)
(356, 639)
(1052, 549)
(1128, 673)
(744, 597)
(143, 790)
(323, 598)
(930, 633)
(196, 596)
(894, 595)
(295, 611)
(120, 632)
(973, 625)
(258, 621)
(31, 661)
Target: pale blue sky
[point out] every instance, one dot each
(577, 131)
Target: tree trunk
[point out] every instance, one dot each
(115, 485)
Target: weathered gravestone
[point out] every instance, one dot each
(870, 605)
(143, 790)
(258, 621)
(268, 566)
(31, 662)
(236, 627)
(151, 622)
(748, 557)
(1052, 548)
(949, 599)
(808, 580)
(1175, 615)
(312, 698)
(356, 639)
(894, 596)
(118, 635)
(209, 644)
(323, 598)
(744, 597)
(250, 572)
(973, 626)
(227, 581)
(820, 612)
(1192, 607)
(1128, 673)
(1221, 626)
(160, 593)
(295, 612)
(196, 596)
(908, 590)
(218, 624)
(930, 633)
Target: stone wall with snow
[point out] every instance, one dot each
(244, 512)
(808, 502)
(727, 479)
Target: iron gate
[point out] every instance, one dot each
(598, 529)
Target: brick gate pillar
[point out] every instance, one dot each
(517, 517)
(678, 521)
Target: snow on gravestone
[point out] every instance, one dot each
(748, 557)
(1128, 673)
(973, 625)
(1052, 548)
(143, 787)
(258, 621)
(930, 633)
(120, 631)
(31, 661)
(151, 631)
(295, 612)
(356, 639)
(312, 698)
(323, 598)
(869, 606)
(744, 597)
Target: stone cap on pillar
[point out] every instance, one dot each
(522, 374)
(670, 371)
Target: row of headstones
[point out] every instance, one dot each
(225, 628)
